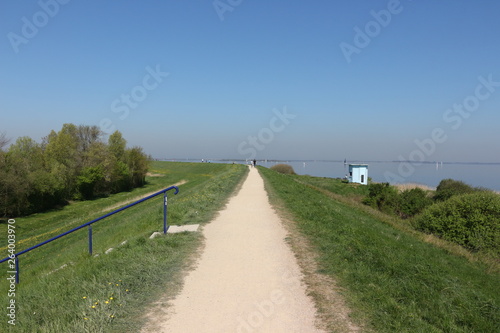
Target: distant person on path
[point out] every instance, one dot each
(254, 162)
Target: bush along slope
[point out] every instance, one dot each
(471, 220)
(448, 188)
(456, 212)
(284, 169)
(391, 280)
(386, 198)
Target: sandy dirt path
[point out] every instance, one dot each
(126, 202)
(246, 280)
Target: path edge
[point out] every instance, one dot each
(164, 302)
(332, 312)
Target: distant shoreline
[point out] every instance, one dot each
(312, 161)
(337, 169)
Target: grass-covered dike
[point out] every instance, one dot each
(391, 278)
(455, 211)
(63, 289)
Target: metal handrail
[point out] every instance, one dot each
(89, 224)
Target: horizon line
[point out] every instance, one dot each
(190, 159)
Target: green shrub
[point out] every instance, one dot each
(284, 169)
(412, 202)
(471, 220)
(88, 180)
(382, 196)
(448, 188)
(386, 198)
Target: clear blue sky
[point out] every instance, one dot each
(228, 78)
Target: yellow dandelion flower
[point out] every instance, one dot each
(85, 318)
(107, 302)
(126, 289)
(112, 316)
(93, 306)
(111, 298)
(117, 284)
(84, 297)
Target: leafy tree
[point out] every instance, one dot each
(3, 175)
(117, 145)
(87, 136)
(73, 163)
(13, 185)
(62, 157)
(24, 158)
(32, 186)
(3, 141)
(89, 179)
(138, 165)
(97, 156)
(121, 178)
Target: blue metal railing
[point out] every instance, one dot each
(15, 257)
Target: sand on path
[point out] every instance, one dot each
(247, 278)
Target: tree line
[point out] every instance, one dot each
(73, 164)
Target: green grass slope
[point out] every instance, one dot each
(63, 289)
(393, 281)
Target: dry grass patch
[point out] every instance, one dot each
(129, 201)
(411, 186)
(150, 174)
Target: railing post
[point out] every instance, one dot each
(17, 270)
(90, 239)
(165, 202)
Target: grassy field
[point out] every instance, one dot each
(391, 279)
(63, 289)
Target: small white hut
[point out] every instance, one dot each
(358, 173)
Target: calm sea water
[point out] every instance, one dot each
(481, 175)
(474, 174)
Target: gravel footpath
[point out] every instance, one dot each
(246, 280)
